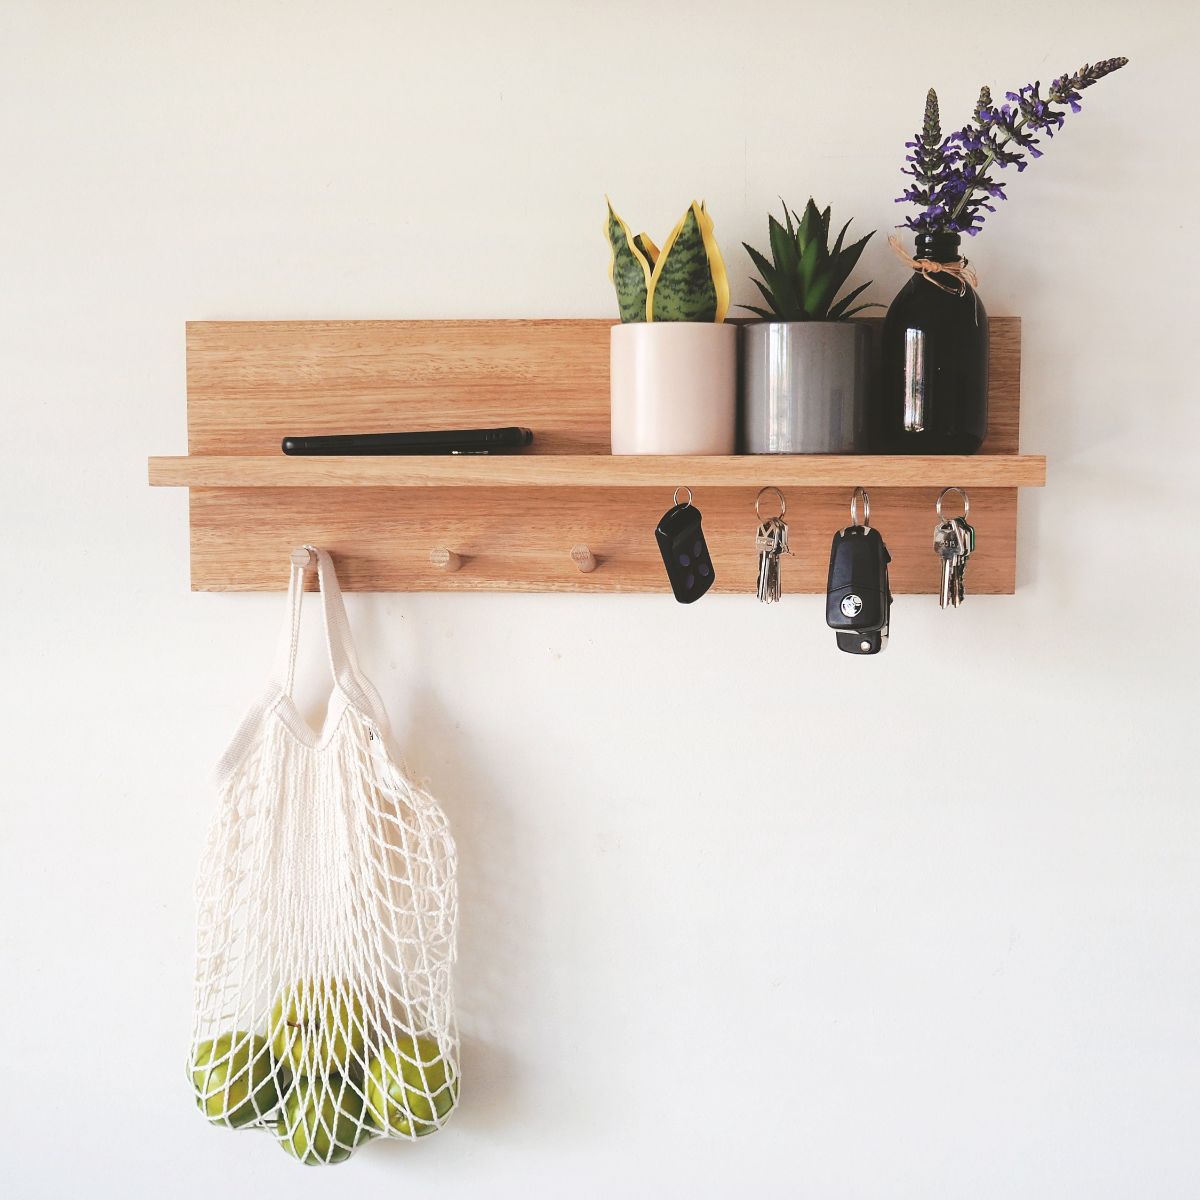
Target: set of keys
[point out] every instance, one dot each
(953, 541)
(858, 596)
(771, 542)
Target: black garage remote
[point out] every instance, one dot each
(684, 550)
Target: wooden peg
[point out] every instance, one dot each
(584, 559)
(446, 559)
(302, 556)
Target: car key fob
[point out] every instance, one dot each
(858, 598)
(685, 552)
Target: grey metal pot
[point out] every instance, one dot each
(804, 387)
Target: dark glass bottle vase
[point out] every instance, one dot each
(932, 396)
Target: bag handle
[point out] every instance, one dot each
(339, 643)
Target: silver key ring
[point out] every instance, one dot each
(866, 498)
(965, 499)
(758, 503)
(683, 488)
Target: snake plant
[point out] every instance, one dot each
(804, 275)
(684, 281)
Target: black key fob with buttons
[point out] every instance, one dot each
(685, 552)
(858, 599)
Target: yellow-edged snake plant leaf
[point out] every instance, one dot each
(646, 248)
(689, 281)
(629, 269)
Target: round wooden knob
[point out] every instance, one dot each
(584, 559)
(446, 559)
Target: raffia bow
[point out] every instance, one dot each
(958, 269)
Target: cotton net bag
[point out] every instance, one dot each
(326, 926)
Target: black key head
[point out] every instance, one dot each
(858, 597)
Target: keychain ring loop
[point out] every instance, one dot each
(683, 487)
(758, 503)
(966, 500)
(866, 498)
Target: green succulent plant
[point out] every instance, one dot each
(804, 275)
(685, 281)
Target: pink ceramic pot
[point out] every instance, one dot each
(674, 388)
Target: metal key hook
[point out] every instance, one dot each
(683, 487)
(758, 503)
(866, 499)
(966, 500)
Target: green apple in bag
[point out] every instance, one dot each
(235, 1079)
(317, 1028)
(410, 1086)
(322, 1122)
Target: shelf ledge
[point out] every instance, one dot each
(601, 471)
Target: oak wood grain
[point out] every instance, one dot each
(520, 539)
(250, 383)
(602, 471)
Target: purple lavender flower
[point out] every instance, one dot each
(953, 186)
(931, 163)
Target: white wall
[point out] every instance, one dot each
(735, 920)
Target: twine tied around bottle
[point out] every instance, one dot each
(958, 269)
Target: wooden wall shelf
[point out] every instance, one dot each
(593, 470)
(510, 522)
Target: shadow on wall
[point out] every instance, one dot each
(496, 903)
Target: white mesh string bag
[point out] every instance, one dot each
(326, 927)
